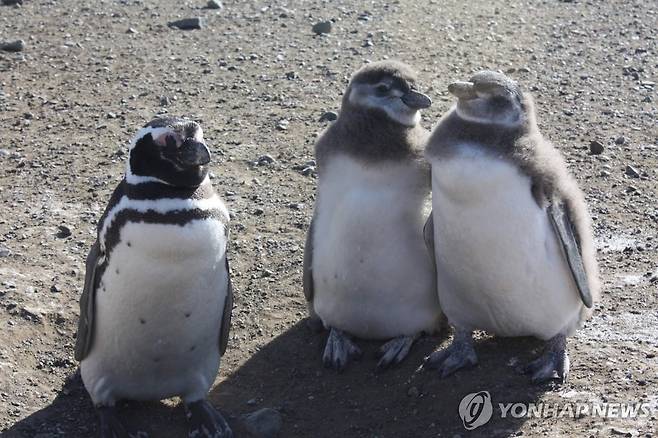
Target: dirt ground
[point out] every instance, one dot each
(258, 80)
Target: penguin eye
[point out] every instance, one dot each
(382, 89)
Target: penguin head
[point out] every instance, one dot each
(489, 97)
(169, 150)
(388, 88)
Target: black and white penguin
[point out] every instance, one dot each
(156, 308)
(514, 253)
(367, 271)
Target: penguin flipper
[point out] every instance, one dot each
(428, 234)
(565, 230)
(307, 278)
(225, 327)
(87, 304)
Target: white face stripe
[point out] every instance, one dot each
(155, 132)
(161, 206)
(512, 120)
(392, 106)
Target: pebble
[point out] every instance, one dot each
(215, 4)
(282, 125)
(12, 2)
(632, 172)
(263, 423)
(13, 46)
(258, 212)
(63, 231)
(622, 432)
(264, 160)
(308, 171)
(165, 101)
(188, 23)
(56, 288)
(620, 140)
(4, 251)
(32, 314)
(328, 116)
(322, 27)
(595, 147)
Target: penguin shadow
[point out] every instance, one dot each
(287, 374)
(71, 414)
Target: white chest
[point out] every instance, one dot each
(158, 312)
(372, 272)
(499, 265)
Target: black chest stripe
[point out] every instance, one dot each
(155, 190)
(174, 217)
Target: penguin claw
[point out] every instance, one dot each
(110, 426)
(553, 364)
(456, 356)
(394, 351)
(339, 350)
(205, 421)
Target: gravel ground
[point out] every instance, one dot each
(257, 78)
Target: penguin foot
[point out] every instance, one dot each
(339, 350)
(110, 426)
(460, 354)
(553, 364)
(205, 422)
(394, 351)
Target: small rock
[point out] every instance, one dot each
(4, 153)
(215, 4)
(620, 140)
(13, 46)
(4, 251)
(32, 314)
(328, 116)
(63, 232)
(56, 288)
(263, 423)
(296, 206)
(368, 43)
(111, 115)
(282, 125)
(595, 147)
(264, 160)
(12, 2)
(258, 212)
(632, 172)
(252, 402)
(165, 101)
(308, 171)
(524, 70)
(322, 27)
(188, 23)
(132, 30)
(622, 432)
(292, 75)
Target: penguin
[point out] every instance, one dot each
(514, 248)
(367, 271)
(155, 311)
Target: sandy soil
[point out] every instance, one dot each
(92, 72)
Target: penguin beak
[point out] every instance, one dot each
(416, 100)
(463, 90)
(193, 153)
